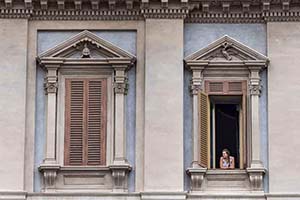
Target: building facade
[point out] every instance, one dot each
(136, 100)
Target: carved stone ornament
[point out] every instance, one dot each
(81, 43)
(256, 177)
(121, 80)
(120, 177)
(50, 84)
(255, 89)
(196, 177)
(195, 89)
(121, 88)
(86, 53)
(228, 53)
(49, 175)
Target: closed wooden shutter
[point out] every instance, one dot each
(204, 127)
(225, 87)
(85, 126)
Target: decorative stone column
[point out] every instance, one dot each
(120, 167)
(50, 165)
(256, 170)
(196, 172)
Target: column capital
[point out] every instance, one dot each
(50, 81)
(50, 84)
(120, 79)
(196, 82)
(255, 82)
(255, 90)
(121, 87)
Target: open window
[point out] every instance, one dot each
(222, 114)
(225, 89)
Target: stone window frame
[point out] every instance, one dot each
(112, 64)
(228, 59)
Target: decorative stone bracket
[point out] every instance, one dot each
(49, 172)
(197, 176)
(256, 177)
(120, 177)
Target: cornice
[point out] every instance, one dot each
(192, 11)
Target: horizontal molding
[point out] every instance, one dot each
(282, 195)
(13, 195)
(194, 11)
(22, 195)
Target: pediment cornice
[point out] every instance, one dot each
(86, 48)
(226, 52)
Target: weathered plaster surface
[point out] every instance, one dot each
(284, 110)
(164, 105)
(13, 51)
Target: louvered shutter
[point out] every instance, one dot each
(225, 87)
(96, 122)
(204, 127)
(85, 127)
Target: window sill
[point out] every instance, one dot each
(85, 178)
(84, 168)
(206, 180)
(226, 171)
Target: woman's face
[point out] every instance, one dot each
(225, 155)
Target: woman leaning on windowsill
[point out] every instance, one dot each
(226, 161)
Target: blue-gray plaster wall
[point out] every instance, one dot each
(197, 36)
(48, 39)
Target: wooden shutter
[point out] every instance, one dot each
(85, 126)
(204, 127)
(225, 87)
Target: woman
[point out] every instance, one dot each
(226, 161)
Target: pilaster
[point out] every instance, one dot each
(50, 164)
(163, 104)
(255, 90)
(120, 166)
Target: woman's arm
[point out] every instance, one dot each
(221, 163)
(232, 163)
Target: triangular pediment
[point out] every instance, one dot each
(86, 45)
(226, 50)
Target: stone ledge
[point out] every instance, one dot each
(13, 195)
(163, 195)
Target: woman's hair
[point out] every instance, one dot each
(227, 151)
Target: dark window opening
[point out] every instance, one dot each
(226, 114)
(227, 131)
